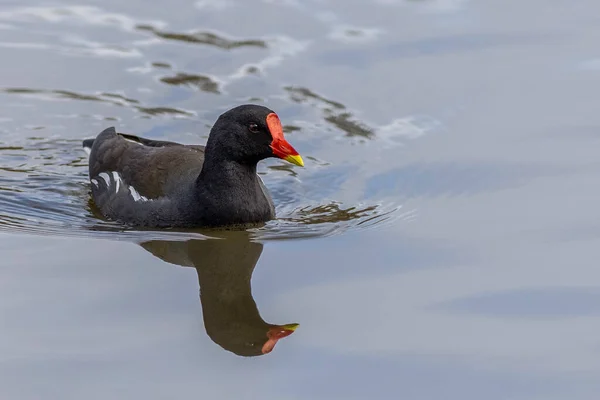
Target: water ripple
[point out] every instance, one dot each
(44, 190)
(111, 98)
(88, 14)
(206, 38)
(204, 83)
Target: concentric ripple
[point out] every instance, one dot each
(44, 190)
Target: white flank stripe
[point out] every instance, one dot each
(118, 181)
(88, 150)
(117, 178)
(106, 178)
(133, 141)
(136, 196)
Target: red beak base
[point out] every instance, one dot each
(275, 333)
(281, 148)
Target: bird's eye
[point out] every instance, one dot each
(253, 128)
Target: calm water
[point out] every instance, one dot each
(442, 241)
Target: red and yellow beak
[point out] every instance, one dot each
(281, 148)
(275, 333)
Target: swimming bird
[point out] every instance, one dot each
(153, 183)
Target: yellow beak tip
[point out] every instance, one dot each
(291, 327)
(296, 160)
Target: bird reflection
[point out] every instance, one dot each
(225, 266)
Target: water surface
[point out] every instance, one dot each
(441, 242)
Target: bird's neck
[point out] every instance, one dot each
(228, 193)
(219, 174)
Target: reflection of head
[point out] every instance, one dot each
(225, 267)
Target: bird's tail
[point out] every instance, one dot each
(87, 145)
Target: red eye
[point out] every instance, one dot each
(253, 128)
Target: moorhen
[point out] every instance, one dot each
(154, 183)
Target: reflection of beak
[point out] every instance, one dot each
(281, 331)
(275, 333)
(281, 148)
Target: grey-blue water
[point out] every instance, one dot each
(442, 241)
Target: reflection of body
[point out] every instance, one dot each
(225, 268)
